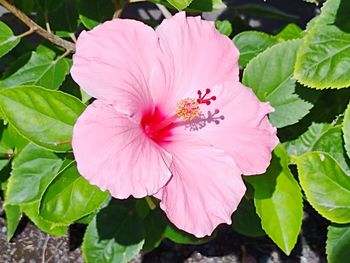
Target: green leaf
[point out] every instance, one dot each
(40, 70)
(155, 226)
(326, 185)
(116, 234)
(329, 12)
(264, 11)
(6, 151)
(305, 143)
(324, 58)
(338, 243)
(346, 130)
(278, 201)
(49, 5)
(92, 12)
(7, 40)
(32, 172)
(197, 5)
(42, 116)
(142, 207)
(85, 220)
(289, 32)
(65, 19)
(31, 210)
(252, 43)
(342, 19)
(270, 75)
(70, 197)
(13, 217)
(246, 221)
(180, 4)
(181, 237)
(224, 27)
(321, 137)
(25, 6)
(11, 139)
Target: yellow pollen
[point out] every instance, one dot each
(187, 109)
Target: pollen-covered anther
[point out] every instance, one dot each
(187, 109)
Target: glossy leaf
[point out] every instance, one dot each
(40, 70)
(346, 130)
(321, 137)
(70, 197)
(278, 202)
(270, 75)
(34, 167)
(224, 26)
(180, 4)
(338, 243)
(13, 217)
(326, 67)
(30, 110)
(178, 236)
(155, 226)
(289, 32)
(116, 234)
(326, 185)
(7, 39)
(246, 221)
(305, 143)
(27, 162)
(252, 43)
(31, 210)
(12, 140)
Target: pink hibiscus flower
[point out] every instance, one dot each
(171, 118)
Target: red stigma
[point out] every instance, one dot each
(202, 100)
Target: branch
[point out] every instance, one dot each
(69, 46)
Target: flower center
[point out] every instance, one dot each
(157, 126)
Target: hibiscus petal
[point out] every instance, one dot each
(113, 153)
(236, 122)
(204, 191)
(193, 56)
(114, 62)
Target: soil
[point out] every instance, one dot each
(30, 245)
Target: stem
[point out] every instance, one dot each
(64, 55)
(119, 5)
(6, 156)
(30, 31)
(47, 23)
(69, 46)
(150, 203)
